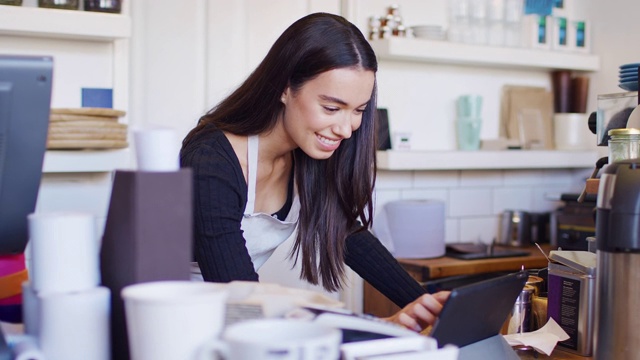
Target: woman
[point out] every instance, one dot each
(292, 149)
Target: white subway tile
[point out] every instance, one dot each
(547, 198)
(557, 177)
(436, 179)
(470, 202)
(381, 197)
(422, 194)
(483, 229)
(394, 179)
(451, 230)
(480, 178)
(522, 177)
(512, 198)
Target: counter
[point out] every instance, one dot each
(424, 270)
(429, 269)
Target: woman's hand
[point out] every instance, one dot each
(421, 313)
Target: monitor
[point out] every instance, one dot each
(25, 101)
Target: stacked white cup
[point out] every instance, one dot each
(65, 307)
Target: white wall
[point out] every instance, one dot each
(186, 56)
(213, 45)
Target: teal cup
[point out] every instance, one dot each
(468, 121)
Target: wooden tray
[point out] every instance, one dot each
(75, 117)
(86, 144)
(89, 111)
(88, 136)
(87, 124)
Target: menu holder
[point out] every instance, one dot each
(148, 237)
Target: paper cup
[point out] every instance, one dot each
(157, 149)
(168, 320)
(280, 339)
(64, 252)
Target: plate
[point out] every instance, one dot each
(628, 72)
(629, 66)
(628, 78)
(629, 86)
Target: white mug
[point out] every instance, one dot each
(169, 320)
(275, 339)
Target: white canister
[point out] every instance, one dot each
(571, 132)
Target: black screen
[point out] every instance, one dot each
(25, 100)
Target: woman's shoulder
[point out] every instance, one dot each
(209, 145)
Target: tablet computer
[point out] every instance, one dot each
(477, 311)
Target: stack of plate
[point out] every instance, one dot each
(628, 77)
(431, 32)
(86, 128)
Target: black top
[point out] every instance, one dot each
(220, 197)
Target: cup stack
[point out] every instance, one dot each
(469, 121)
(65, 308)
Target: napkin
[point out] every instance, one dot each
(544, 340)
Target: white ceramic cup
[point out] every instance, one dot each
(571, 132)
(157, 149)
(169, 320)
(275, 339)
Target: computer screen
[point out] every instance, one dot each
(25, 101)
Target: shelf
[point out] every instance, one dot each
(485, 160)
(56, 23)
(70, 161)
(430, 51)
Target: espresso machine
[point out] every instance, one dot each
(618, 257)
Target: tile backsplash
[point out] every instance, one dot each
(475, 199)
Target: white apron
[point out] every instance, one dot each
(263, 233)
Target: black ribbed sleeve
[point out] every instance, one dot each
(374, 263)
(220, 197)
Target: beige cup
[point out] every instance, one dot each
(169, 320)
(271, 339)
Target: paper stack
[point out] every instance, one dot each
(86, 128)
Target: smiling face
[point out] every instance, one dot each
(327, 109)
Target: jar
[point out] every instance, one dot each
(624, 144)
(110, 6)
(59, 4)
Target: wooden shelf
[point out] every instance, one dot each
(59, 161)
(444, 52)
(485, 160)
(65, 24)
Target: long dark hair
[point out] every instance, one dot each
(336, 192)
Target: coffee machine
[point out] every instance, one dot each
(618, 257)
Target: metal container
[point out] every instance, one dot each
(618, 254)
(520, 320)
(571, 298)
(515, 229)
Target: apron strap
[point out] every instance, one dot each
(252, 172)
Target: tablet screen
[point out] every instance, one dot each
(477, 311)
